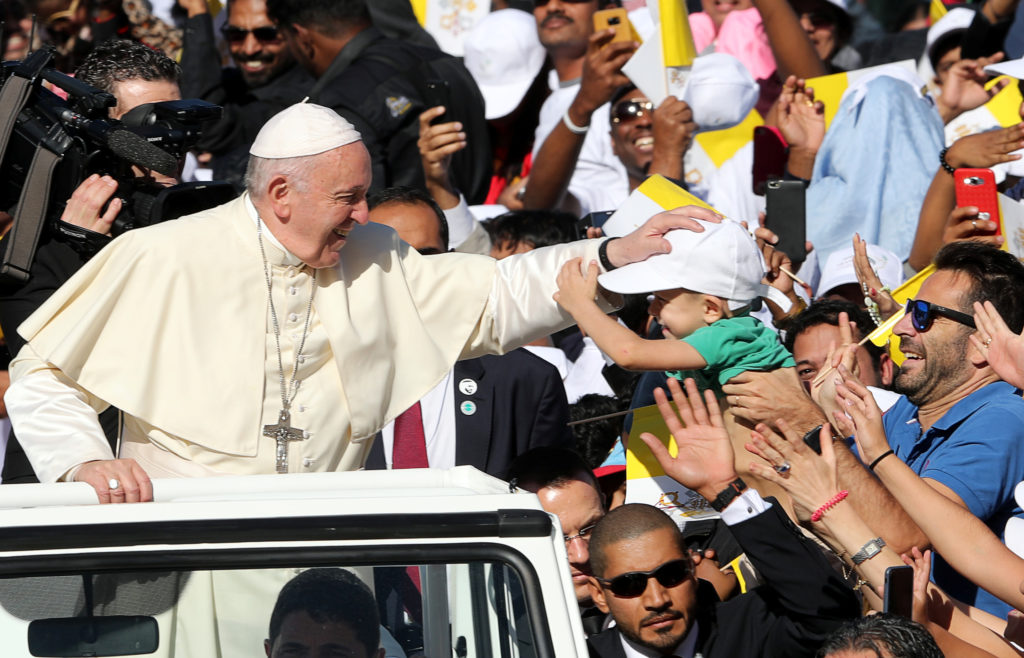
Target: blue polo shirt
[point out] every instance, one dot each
(977, 450)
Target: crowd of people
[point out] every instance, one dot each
(418, 233)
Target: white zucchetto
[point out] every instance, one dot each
(303, 129)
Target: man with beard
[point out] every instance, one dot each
(265, 81)
(959, 427)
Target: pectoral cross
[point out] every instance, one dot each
(283, 432)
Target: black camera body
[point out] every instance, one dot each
(50, 144)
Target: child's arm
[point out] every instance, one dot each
(576, 293)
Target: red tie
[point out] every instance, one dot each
(410, 448)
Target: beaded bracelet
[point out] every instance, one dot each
(945, 165)
(832, 502)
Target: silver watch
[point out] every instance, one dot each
(868, 550)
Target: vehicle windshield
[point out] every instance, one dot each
(324, 607)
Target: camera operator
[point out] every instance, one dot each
(134, 74)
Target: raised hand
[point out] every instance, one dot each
(1003, 349)
(863, 418)
(575, 288)
(965, 87)
(705, 459)
(868, 278)
(809, 479)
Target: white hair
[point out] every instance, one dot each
(261, 170)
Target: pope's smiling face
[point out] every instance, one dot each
(326, 204)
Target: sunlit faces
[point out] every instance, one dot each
(565, 25)
(258, 49)
(415, 223)
(318, 212)
(578, 507)
(681, 312)
(632, 134)
(719, 9)
(301, 636)
(660, 617)
(936, 360)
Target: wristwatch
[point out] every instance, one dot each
(868, 550)
(729, 494)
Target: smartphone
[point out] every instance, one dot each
(786, 216)
(899, 591)
(436, 92)
(770, 157)
(594, 219)
(616, 19)
(977, 187)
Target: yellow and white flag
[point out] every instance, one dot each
(449, 21)
(646, 481)
(656, 194)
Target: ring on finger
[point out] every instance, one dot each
(114, 484)
(974, 224)
(782, 468)
(988, 341)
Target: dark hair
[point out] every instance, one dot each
(995, 275)
(410, 196)
(548, 466)
(330, 595)
(619, 93)
(330, 17)
(117, 60)
(595, 439)
(537, 228)
(944, 44)
(826, 311)
(628, 522)
(901, 637)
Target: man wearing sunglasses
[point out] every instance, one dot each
(264, 80)
(649, 141)
(643, 574)
(958, 427)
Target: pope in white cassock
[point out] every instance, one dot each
(239, 340)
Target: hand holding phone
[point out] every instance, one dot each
(977, 187)
(899, 591)
(786, 216)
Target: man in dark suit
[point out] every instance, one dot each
(495, 407)
(644, 576)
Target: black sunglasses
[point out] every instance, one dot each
(633, 583)
(631, 110)
(266, 34)
(922, 314)
(819, 19)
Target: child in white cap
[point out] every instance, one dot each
(703, 292)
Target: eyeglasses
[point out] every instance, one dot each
(922, 314)
(631, 110)
(583, 534)
(819, 19)
(633, 583)
(265, 34)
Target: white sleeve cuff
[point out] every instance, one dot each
(461, 223)
(747, 505)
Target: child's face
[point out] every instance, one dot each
(680, 311)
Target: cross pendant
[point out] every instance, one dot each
(283, 432)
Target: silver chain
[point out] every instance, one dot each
(287, 392)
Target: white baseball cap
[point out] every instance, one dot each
(957, 18)
(721, 92)
(723, 261)
(839, 269)
(504, 55)
(303, 129)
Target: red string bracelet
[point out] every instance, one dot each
(832, 502)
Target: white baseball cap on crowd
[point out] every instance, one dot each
(721, 92)
(723, 261)
(504, 56)
(839, 269)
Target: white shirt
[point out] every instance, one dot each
(438, 410)
(599, 181)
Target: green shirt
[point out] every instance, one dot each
(731, 346)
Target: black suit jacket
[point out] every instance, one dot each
(520, 404)
(802, 602)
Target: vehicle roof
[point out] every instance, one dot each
(413, 491)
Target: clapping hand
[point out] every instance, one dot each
(705, 459)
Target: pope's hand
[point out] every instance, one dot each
(649, 239)
(117, 480)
